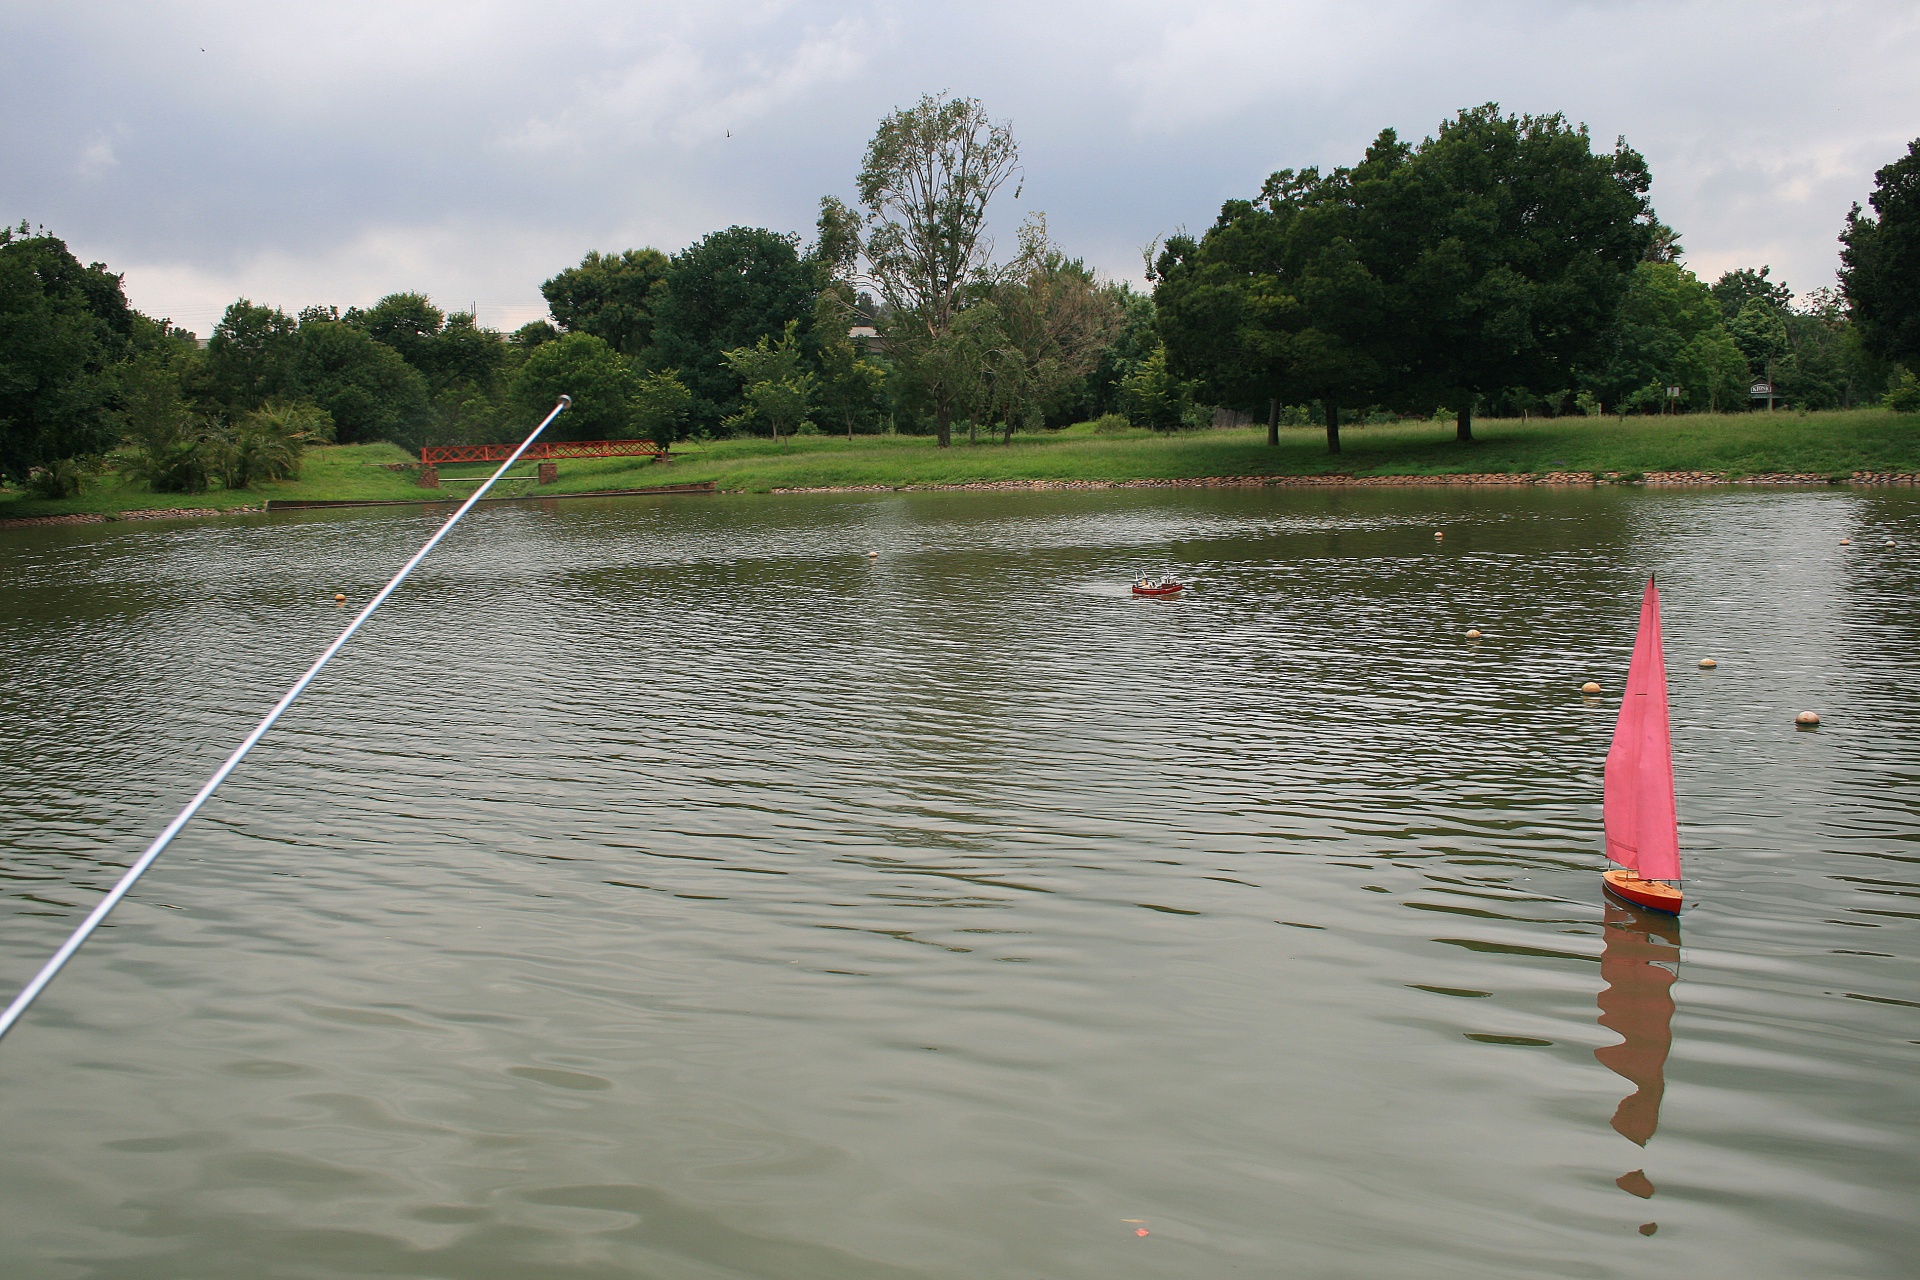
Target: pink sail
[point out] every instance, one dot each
(1643, 830)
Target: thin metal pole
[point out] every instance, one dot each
(32, 990)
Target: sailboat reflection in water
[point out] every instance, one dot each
(1639, 964)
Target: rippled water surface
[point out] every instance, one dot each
(668, 889)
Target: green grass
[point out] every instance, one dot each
(1826, 444)
(352, 471)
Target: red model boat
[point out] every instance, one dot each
(1158, 587)
(1643, 828)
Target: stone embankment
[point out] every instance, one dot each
(102, 517)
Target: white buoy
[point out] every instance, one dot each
(873, 555)
(1708, 663)
(1846, 542)
(1473, 633)
(1889, 541)
(1437, 535)
(1590, 687)
(1807, 719)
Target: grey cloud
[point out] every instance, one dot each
(335, 153)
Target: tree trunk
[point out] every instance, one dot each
(849, 426)
(1333, 426)
(1273, 423)
(1463, 422)
(943, 421)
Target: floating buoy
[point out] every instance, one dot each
(1846, 542)
(339, 597)
(1708, 663)
(873, 555)
(1590, 687)
(1473, 634)
(1807, 719)
(1437, 535)
(1889, 541)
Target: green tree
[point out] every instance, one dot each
(1880, 257)
(611, 296)
(1506, 244)
(62, 327)
(580, 365)
(1668, 332)
(728, 291)
(660, 406)
(927, 178)
(1134, 342)
(1759, 329)
(1153, 397)
(776, 389)
(366, 387)
(1056, 320)
(852, 388)
(250, 357)
(1735, 289)
(167, 442)
(1276, 304)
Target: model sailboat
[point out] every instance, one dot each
(1643, 828)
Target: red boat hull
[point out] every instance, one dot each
(1175, 589)
(1652, 894)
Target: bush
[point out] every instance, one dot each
(60, 478)
(267, 443)
(1111, 424)
(1904, 395)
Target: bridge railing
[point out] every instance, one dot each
(545, 450)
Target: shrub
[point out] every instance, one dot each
(1904, 395)
(60, 478)
(1111, 424)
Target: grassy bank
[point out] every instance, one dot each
(1828, 444)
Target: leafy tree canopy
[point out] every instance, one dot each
(728, 291)
(1880, 257)
(368, 389)
(611, 296)
(1506, 244)
(1669, 332)
(580, 365)
(61, 326)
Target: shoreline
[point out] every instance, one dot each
(1551, 479)
(1495, 479)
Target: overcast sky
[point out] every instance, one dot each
(336, 152)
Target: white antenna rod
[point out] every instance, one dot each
(32, 990)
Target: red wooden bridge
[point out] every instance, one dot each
(541, 450)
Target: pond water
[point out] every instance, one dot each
(665, 888)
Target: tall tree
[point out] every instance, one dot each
(611, 296)
(1880, 256)
(928, 176)
(728, 291)
(1508, 242)
(62, 326)
(1734, 289)
(580, 365)
(367, 387)
(250, 358)
(1056, 320)
(1276, 304)
(776, 387)
(1669, 332)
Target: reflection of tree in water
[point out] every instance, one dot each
(1639, 963)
